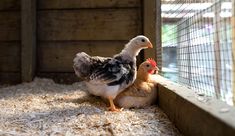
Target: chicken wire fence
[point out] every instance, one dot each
(198, 43)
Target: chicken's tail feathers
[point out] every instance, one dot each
(81, 65)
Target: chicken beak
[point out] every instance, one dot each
(149, 45)
(156, 69)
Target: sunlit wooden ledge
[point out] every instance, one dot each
(192, 114)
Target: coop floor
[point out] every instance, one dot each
(45, 108)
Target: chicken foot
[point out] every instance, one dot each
(112, 106)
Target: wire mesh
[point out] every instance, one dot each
(198, 45)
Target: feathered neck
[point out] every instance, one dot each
(130, 51)
(143, 75)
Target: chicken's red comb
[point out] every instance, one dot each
(152, 62)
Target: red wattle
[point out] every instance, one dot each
(151, 71)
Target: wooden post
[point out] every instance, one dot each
(217, 70)
(233, 49)
(152, 29)
(28, 39)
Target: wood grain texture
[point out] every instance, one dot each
(194, 117)
(9, 26)
(149, 22)
(98, 24)
(9, 57)
(10, 77)
(28, 39)
(68, 4)
(9, 5)
(58, 56)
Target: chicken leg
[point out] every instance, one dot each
(112, 106)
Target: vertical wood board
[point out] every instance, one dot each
(28, 39)
(150, 27)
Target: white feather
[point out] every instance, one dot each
(99, 87)
(103, 89)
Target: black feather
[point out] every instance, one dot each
(113, 71)
(126, 77)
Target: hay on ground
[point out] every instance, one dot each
(43, 107)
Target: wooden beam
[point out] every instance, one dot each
(152, 28)
(28, 39)
(192, 114)
(79, 4)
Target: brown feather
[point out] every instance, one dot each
(141, 93)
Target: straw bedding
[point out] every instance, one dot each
(43, 107)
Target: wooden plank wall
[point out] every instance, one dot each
(10, 41)
(96, 27)
(63, 28)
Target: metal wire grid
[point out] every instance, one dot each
(203, 38)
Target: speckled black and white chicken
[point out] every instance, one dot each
(108, 76)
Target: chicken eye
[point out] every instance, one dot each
(143, 40)
(147, 65)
